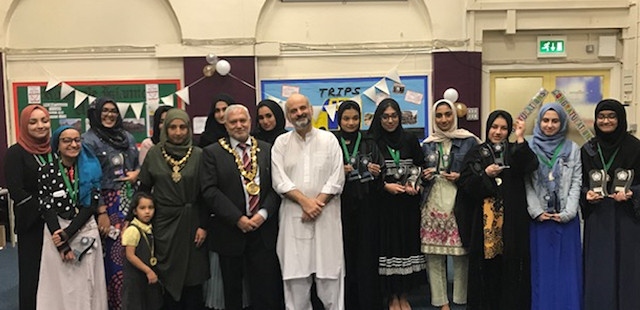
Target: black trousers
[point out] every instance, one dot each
(263, 275)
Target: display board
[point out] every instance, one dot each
(140, 99)
(410, 92)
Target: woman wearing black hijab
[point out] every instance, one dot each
(158, 120)
(401, 263)
(612, 220)
(359, 211)
(493, 221)
(214, 127)
(270, 121)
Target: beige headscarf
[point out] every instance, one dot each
(453, 133)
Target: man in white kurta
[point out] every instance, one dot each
(308, 172)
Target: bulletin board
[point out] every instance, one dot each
(137, 92)
(411, 95)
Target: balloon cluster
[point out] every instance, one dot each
(451, 94)
(221, 66)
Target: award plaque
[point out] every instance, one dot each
(433, 160)
(622, 180)
(445, 165)
(354, 174)
(413, 176)
(365, 175)
(598, 181)
(497, 151)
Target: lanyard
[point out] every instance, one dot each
(151, 245)
(395, 154)
(42, 161)
(73, 191)
(608, 164)
(345, 151)
(441, 155)
(551, 162)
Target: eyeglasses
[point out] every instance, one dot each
(107, 111)
(70, 140)
(389, 116)
(609, 116)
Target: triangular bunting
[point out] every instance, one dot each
(168, 100)
(152, 106)
(316, 112)
(357, 98)
(52, 83)
(184, 94)
(137, 109)
(65, 90)
(393, 75)
(91, 98)
(382, 86)
(123, 107)
(331, 110)
(370, 93)
(79, 98)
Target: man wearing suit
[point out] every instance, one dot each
(236, 181)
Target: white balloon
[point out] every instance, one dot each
(451, 94)
(223, 67)
(211, 58)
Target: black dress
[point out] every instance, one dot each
(21, 171)
(137, 293)
(612, 233)
(401, 263)
(360, 232)
(502, 282)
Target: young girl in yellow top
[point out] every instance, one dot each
(141, 288)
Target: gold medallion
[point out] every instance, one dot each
(252, 188)
(175, 175)
(153, 261)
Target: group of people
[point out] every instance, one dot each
(273, 219)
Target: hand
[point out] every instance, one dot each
(57, 238)
(593, 197)
(307, 218)
(348, 168)
(451, 177)
(201, 235)
(545, 217)
(556, 217)
(493, 170)
(394, 188)
(152, 277)
(620, 196)
(312, 207)
(103, 224)
(374, 169)
(131, 176)
(410, 190)
(245, 224)
(68, 257)
(519, 127)
(257, 220)
(428, 173)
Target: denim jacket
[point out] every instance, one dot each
(459, 148)
(115, 163)
(568, 192)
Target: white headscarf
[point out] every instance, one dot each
(453, 133)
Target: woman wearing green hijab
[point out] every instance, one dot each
(170, 172)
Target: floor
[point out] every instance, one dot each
(9, 284)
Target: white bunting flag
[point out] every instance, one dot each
(79, 98)
(316, 112)
(65, 90)
(167, 100)
(184, 94)
(123, 107)
(137, 109)
(393, 75)
(382, 86)
(331, 111)
(91, 98)
(52, 83)
(357, 98)
(371, 93)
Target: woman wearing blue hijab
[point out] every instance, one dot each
(553, 194)
(72, 274)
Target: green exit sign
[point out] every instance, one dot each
(552, 47)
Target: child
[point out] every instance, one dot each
(141, 288)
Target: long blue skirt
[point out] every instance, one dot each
(556, 265)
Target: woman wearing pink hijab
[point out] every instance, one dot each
(21, 172)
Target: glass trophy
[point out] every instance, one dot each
(445, 164)
(413, 176)
(365, 175)
(433, 160)
(622, 180)
(497, 151)
(353, 174)
(118, 163)
(598, 181)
